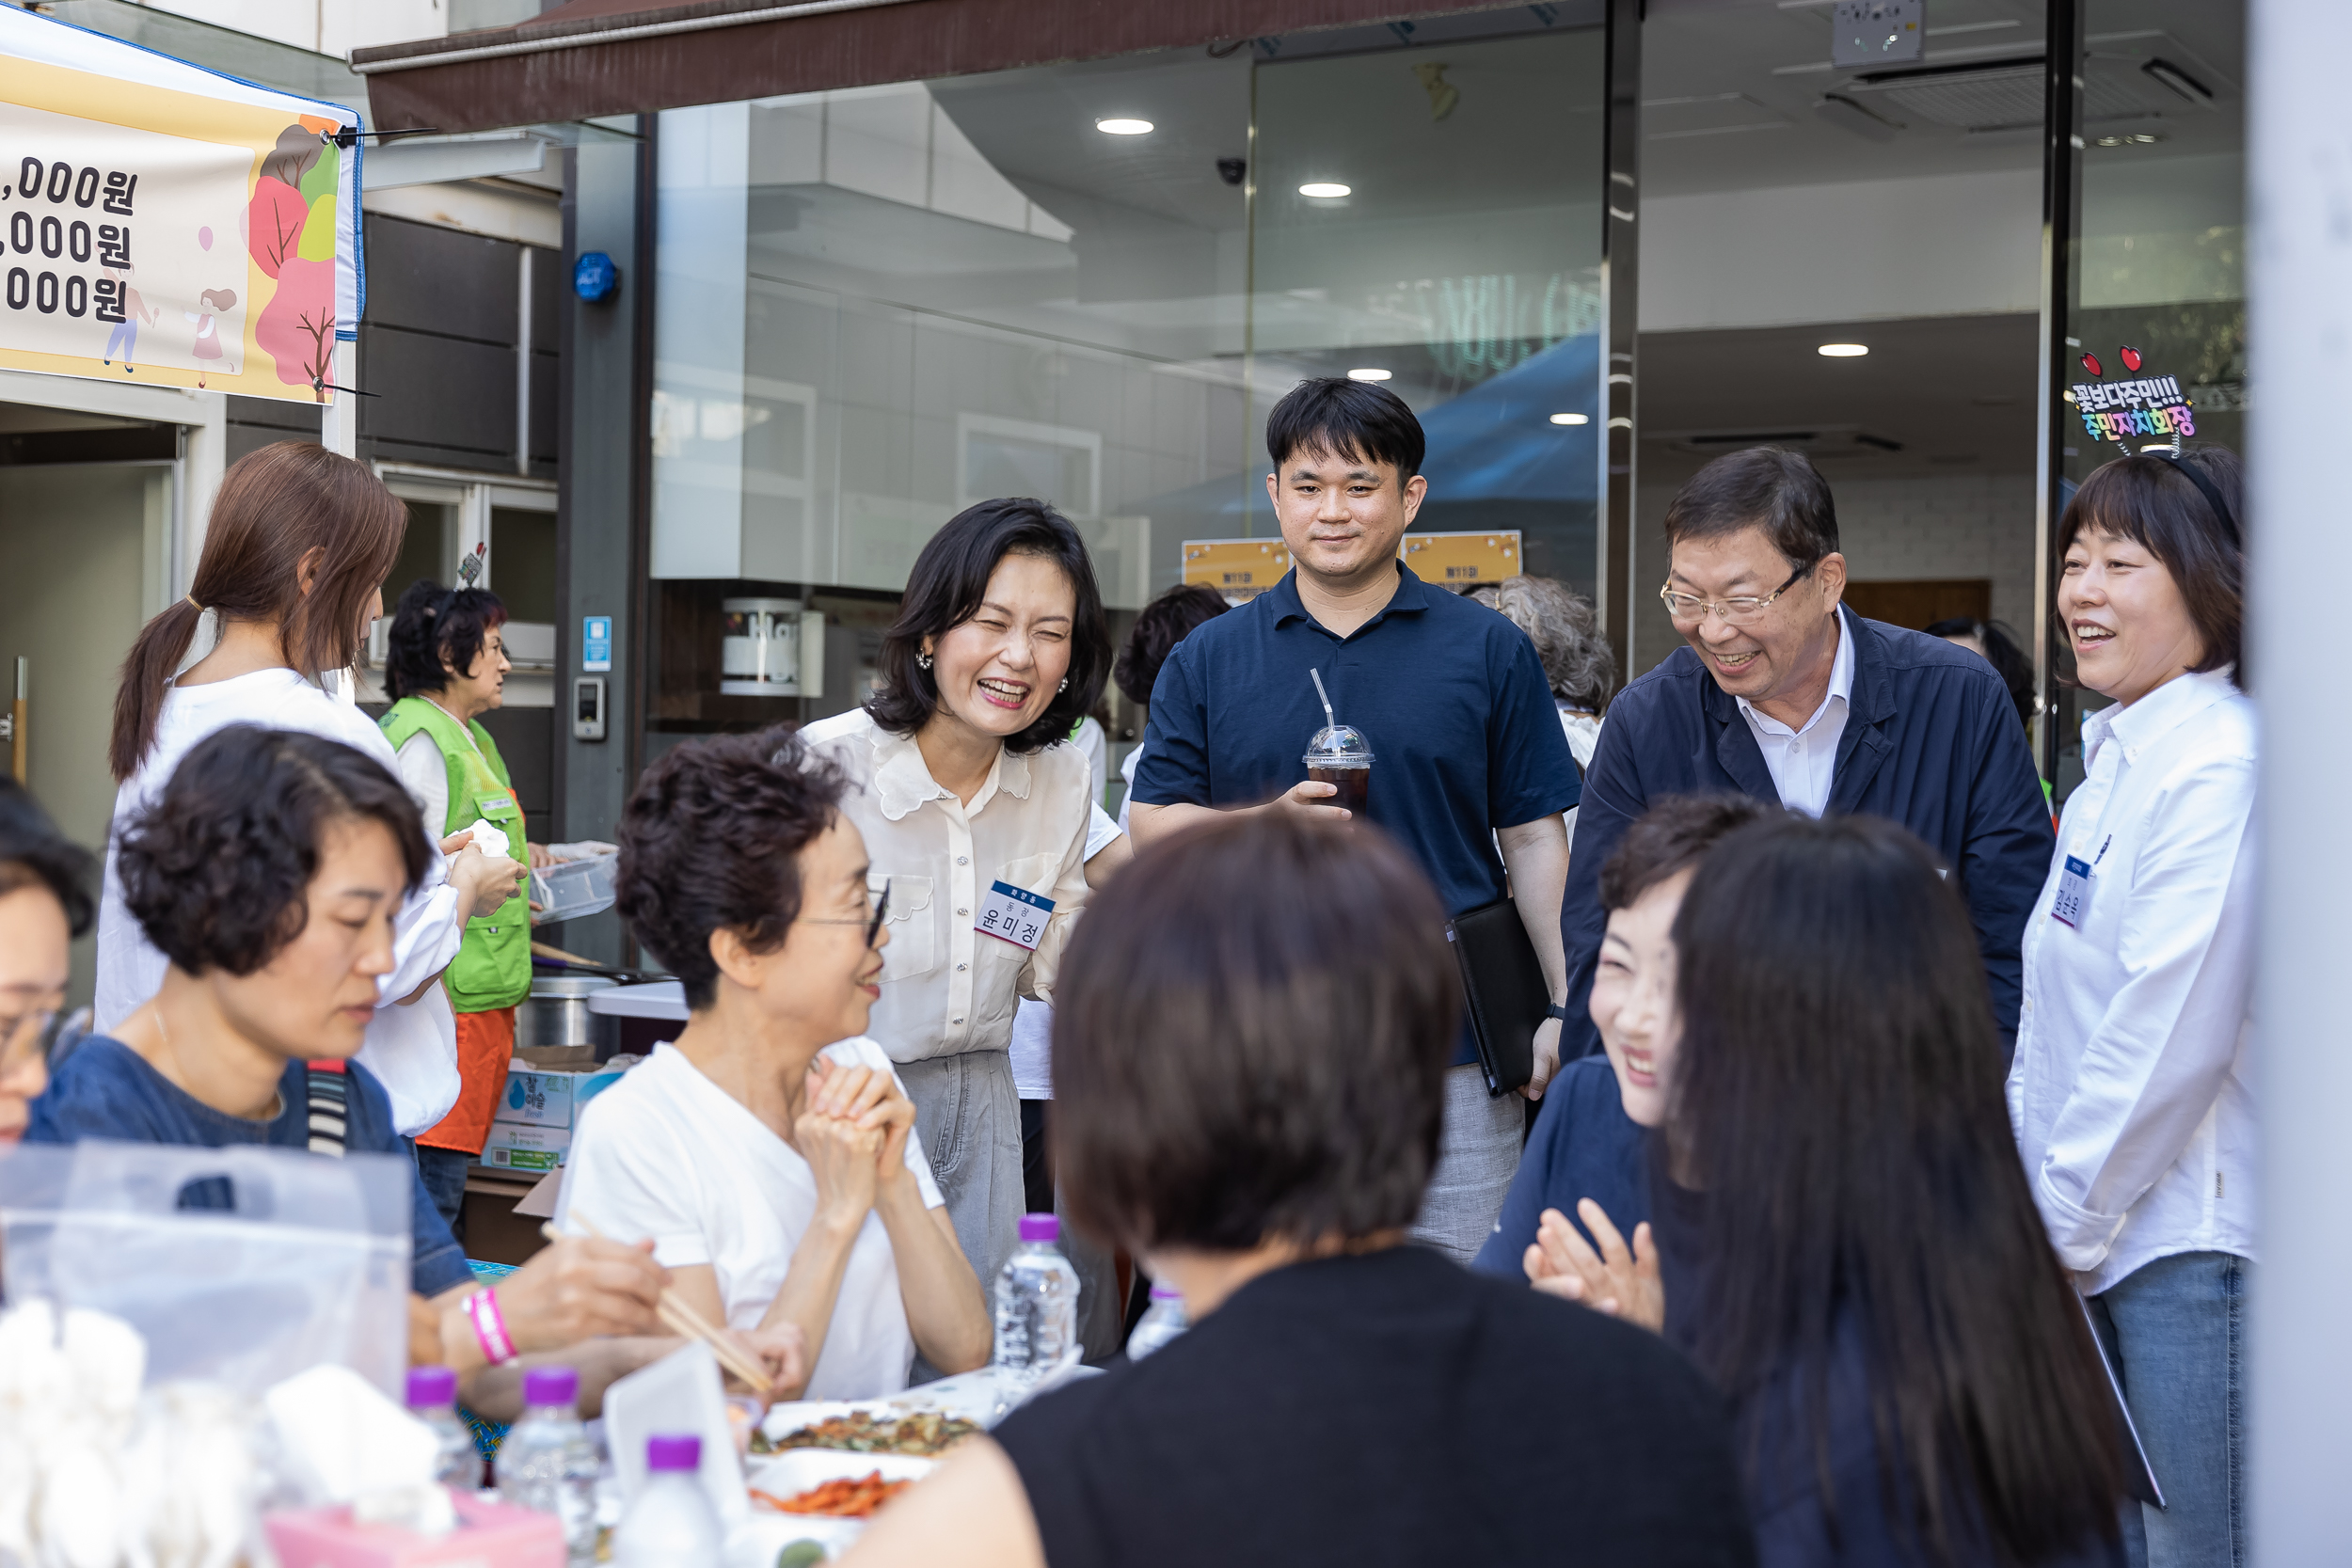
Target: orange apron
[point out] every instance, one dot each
(486, 1044)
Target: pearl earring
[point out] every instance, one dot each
(1064, 685)
(922, 661)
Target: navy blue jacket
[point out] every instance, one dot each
(1932, 740)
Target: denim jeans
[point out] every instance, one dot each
(444, 1173)
(2176, 1332)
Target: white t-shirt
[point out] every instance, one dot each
(667, 1153)
(1033, 1025)
(412, 1050)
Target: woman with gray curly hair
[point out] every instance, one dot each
(1566, 630)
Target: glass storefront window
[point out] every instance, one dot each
(2159, 260)
(875, 307)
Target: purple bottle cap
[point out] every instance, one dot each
(551, 1385)
(1039, 1228)
(674, 1450)
(1166, 1292)
(432, 1388)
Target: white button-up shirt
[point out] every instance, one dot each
(947, 987)
(1804, 762)
(2132, 1091)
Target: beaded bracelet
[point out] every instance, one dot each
(489, 1327)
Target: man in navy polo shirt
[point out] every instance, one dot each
(1466, 748)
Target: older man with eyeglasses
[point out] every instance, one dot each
(1786, 695)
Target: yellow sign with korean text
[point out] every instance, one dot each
(1242, 568)
(160, 224)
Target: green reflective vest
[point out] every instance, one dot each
(493, 964)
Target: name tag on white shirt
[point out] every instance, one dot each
(2074, 892)
(1015, 914)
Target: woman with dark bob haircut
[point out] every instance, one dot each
(770, 1151)
(1247, 1057)
(268, 871)
(1848, 1242)
(2132, 1089)
(976, 812)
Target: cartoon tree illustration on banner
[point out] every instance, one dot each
(291, 234)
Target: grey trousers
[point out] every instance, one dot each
(1478, 1153)
(968, 1117)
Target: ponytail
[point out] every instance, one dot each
(277, 507)
(163, 642)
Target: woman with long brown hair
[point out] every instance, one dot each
(295, 553)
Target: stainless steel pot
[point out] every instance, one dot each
(557, 1015)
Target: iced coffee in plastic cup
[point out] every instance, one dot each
(1339, 755)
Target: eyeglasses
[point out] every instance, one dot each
(872, 923)
(1690, 608)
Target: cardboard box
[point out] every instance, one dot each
(515, 1146)
(533, 1125)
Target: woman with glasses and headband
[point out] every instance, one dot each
(769, 1153)
(1785, 694)
(44, 904)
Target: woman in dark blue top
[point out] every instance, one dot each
(269, 872)
(1847, 1239)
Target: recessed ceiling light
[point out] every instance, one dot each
(1843, 351)
(1370, 373)
(1570, 419)
(1323, 188)
(2133, 138)
(1123, 127)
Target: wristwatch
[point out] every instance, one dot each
(1558, 1010)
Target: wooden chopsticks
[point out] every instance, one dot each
(684, 1321)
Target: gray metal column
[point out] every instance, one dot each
(601, 520)
(1620, 274)
(2298, 171)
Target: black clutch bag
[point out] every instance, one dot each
(1504, 986)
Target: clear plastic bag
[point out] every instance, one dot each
(240, 1266)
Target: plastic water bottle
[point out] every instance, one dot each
(671, 1523)
(1037, 1308)
(547, 1464)
(433, 1400)
(1163, 1322)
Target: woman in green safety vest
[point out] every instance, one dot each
(445, 667)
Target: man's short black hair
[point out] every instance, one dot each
(1671, 836)
(1768, 487)
(944, 590)
(1249, 1037)
(217, 871)
(1161, 625)
(432, 624)
(34, 854)
(1359, 420)
(711, 841)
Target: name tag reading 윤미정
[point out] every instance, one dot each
(1013, 914)
(2074, 892)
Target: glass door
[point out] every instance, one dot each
(2152, 259)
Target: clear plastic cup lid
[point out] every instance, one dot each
(1339, 745)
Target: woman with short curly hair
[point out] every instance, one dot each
(768, 1153)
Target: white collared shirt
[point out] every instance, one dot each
(945, 988)
(1804, 762)
(2132, 1091)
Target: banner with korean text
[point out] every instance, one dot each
(161, 223)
